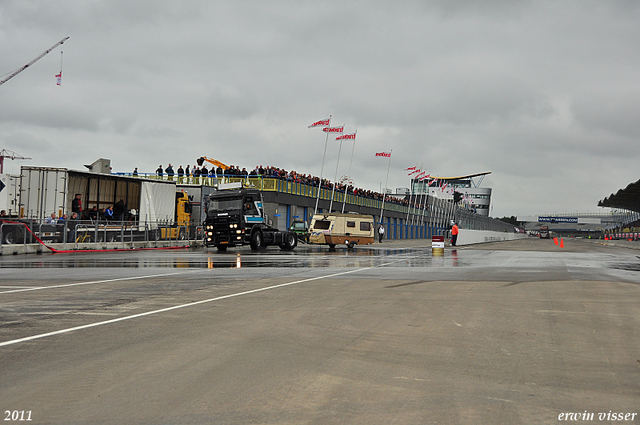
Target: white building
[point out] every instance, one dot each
(474, 197)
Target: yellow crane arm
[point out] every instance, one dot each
(212, 161)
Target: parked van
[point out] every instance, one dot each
(348, 229)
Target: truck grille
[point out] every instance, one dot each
(222, 230)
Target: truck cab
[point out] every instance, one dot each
(235, 217)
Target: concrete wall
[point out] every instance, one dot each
(470, 237)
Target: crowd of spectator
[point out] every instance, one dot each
(278, 173)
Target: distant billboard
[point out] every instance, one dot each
(557, 219)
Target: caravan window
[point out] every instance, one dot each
(351, 224)
(322, 225)
(365, 226)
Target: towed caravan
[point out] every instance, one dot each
(349, 229)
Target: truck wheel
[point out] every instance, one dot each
(10, 237)
(332, 246)
(256, 240)
(290, 242)
(222, 248)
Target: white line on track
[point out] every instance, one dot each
(20, 287)
(176, 307)
(66, 285)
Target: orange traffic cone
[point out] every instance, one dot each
(555, 241)
(561, 243)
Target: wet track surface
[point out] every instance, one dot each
(502, 333)
(591, 256)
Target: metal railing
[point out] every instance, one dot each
(86, 233)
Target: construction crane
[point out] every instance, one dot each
(215, 162)
(19, 70)
(8, 154)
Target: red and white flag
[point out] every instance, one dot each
(320, 123)
(347, 136)
(444, 186)
(434, 181)
(414, 171)
(417, 176)
(425, 177)
(385, 154)
(333, 129)
(59, 78)
(410, 168)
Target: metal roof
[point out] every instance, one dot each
(461, 177)
(627, 198)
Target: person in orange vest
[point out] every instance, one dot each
(454, 234)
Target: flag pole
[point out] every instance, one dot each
(425, 200)
(384, 195)
(335, 179)
(410, 195)
(315, 211)
(415, 200)
(353, 148)
(416, 207)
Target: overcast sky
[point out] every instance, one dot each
(543, 94)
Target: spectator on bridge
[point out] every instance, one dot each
(169, 171)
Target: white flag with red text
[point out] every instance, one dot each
(347, 137)
(385, 154)
(333, 129)
(320, 123)
(59, 78)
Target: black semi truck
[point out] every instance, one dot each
(235, 217)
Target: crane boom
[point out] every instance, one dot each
(19, 70)
(212, 161)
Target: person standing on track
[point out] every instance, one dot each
(454, 234)
(380, 233)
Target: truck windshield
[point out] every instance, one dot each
(225, 204)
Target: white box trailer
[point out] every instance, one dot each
(9, 190)
(45, 190)
(148, 205)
